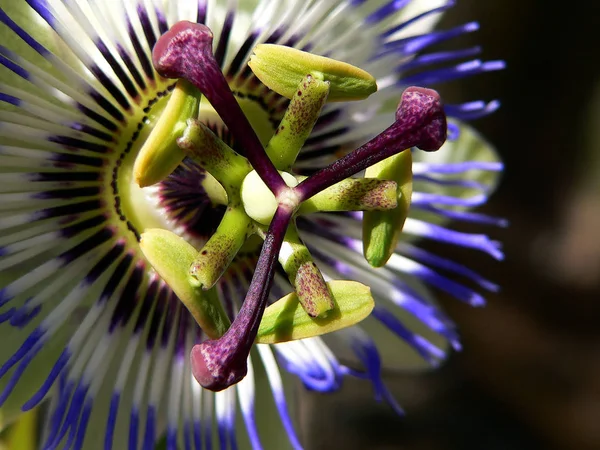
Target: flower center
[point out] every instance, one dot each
(185, 53)
(259, 202)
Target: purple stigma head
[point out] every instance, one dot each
(421, 105)
(210, 367)
(184, 44)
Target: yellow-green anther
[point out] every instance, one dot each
(298, 121)
(282, 68)
(214, 190)
(285, 320)
(353, 194)
(304, 276)
(171, 256)
(22, 434)
(216, 255)
(381, 229)
(214, 155)
(160, 155)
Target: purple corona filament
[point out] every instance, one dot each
(185, 51)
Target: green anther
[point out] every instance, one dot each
(282, 69)
(298, 121)
(381, 229)
(285, 320)
(304, 276)
(213, 155)
(216, 255)
(353, 194)
(171, 256)
(160, 154)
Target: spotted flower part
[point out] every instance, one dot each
(125, 156)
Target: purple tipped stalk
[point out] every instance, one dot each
(220, 363)
(185, 51)
(420, 122)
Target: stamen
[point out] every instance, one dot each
(212, 154)
(218, 253)
(283, 68)
(185, 51)
(420, 122)
(305, 276)
(354, 194)
(160, 154)
(382, 229)
(298, 121)
(218, 364)
(171, 256)
(286, 319)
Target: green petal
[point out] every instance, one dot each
(38, 368)
(28, 19)
(286, 320)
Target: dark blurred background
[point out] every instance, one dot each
(529, 374)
